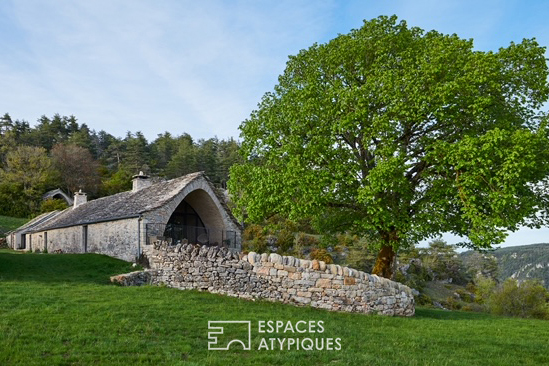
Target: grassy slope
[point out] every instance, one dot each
(60, 309)
(10, 223)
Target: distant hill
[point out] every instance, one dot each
(522, 262)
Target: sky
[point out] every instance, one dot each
(201, 67)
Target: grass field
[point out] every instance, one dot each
(59, 309)
(10, 223)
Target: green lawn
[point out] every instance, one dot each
(9, 223)
(59, 309)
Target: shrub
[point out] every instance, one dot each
(484, 288)
(285, 240)
(52, 205)
(465, 295)
(322, 255)
(452, 303)
(254, 239)
(526, 300)
(423, 299)
(305, 243)
(304, 240)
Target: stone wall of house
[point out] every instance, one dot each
(272, 277)
(118, 239)
(68, 240)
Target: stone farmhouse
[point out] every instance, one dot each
(185, 209)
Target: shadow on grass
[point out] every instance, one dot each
(440, 314)
(60, 268)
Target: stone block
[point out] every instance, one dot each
(323, 282)
(275, 258)
(322, 265)
(294, 275)
(349, 281)
(263, 271)
(282, 273)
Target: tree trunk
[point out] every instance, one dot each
(384, 262)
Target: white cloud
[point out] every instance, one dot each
(198, 67)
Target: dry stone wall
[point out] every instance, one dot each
(272, 277)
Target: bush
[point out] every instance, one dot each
(484, 288)
(322, 255)
(526, 300)
(285, 240)
(304, 244)
(50, 205)
(254, 239)
(423, 299)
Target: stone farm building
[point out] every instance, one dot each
(124, 225)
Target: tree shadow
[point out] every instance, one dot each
(440, 314)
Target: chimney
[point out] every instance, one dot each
(79, 198)
(140, 181)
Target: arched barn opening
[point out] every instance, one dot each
(58, 194)
(188, 210)
(197, 220)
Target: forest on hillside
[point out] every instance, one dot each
(521, 262)
(60, 152)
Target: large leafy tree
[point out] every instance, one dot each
(77, 168)
(403, 134)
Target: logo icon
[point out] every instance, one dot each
(216, 329)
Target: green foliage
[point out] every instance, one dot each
(321, 255)
(443, 262)
(481, 264)
(285, 240)
(401, 133)
(484, 288)
(304, 240)
(526, 300)
(24, 178)
(360, 251)
(52, 205)
(99, 163)
(254, 239)
(413, 274)
(120, 181)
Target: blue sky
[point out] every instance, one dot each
(202, 66)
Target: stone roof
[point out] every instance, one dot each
(125, 204)
(36, 222)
